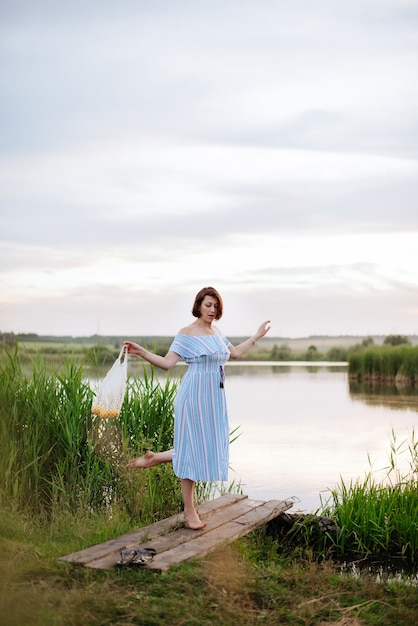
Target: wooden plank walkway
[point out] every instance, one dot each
(228, 518)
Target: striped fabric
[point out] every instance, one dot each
(201, 429)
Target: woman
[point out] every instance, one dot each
(201, 429)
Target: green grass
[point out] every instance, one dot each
(55, 455)
(247, 583)
(379, 515)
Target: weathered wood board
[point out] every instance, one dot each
(228, 518)
(146, 533)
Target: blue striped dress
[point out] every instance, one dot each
(201, 429)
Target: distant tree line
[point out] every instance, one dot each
(283, 351)
(103, 350)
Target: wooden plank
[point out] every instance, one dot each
(202, 544)
(181, 536)
(136, 537)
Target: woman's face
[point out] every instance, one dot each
(209, 309)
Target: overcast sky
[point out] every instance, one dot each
(268, 148)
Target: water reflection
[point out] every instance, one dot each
(390, 396)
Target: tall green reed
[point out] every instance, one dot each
(379, 515)
(53, 454)
(45, 456)
(148, 416)
(385, 363)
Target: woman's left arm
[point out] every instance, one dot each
(237, 351)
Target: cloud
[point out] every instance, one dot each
(200, 70)
(89, 197)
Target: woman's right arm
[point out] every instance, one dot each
(164, 362)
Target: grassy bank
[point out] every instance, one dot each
(64, 487)
(369, 519)
(248, 583)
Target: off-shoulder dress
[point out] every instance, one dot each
(201, 428)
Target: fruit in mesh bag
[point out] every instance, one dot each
(103, 412)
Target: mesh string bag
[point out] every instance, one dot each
(104, 434)
(111, 393)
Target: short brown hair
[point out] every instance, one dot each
(207, 291)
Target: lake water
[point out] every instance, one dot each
(302, 429)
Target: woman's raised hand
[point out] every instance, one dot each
(263, 329)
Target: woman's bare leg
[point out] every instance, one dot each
(151, 458)
(191, 518)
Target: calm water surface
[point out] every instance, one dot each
(302, 429)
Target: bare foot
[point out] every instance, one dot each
(194, 522)
(148, 460)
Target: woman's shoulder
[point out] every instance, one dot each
(186, 330)
(194, 331)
